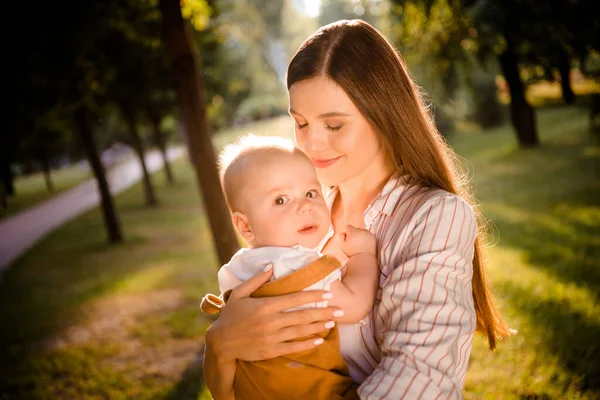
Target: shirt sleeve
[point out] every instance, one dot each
(426, 314)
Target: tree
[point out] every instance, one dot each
(515, 32)
(189, 86)
(155, 116)
(63, 73)
(129, 52)
(111, 221)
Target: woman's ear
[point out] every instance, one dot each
(240, 221)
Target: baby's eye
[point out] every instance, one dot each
(311, 194)
(333, 128)
(280, 200)
(301, 126)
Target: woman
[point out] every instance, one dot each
(360, 119)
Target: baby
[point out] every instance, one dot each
(277, 206)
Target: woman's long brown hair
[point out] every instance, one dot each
(359, 59)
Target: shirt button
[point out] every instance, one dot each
(362, 322)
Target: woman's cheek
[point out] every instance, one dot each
(300, 139)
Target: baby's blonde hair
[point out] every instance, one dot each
(236, 158)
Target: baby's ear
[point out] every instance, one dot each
(240, 221)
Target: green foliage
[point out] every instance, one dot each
(545, 216)
(367, 10)
(261, 107)
(487, 110)
(198, 12)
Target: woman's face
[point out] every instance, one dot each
(331, 131)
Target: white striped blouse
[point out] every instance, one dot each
(416, 342)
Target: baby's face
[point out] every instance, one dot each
(284, 203)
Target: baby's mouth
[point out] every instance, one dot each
(306, 229)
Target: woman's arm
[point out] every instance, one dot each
(251, 329)
(426, 314)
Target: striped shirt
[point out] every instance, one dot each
(416, 342)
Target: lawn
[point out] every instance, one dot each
(31, 189)
(83, 320)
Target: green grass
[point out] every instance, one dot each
(31, 189)
(544, 207)
(83, 320)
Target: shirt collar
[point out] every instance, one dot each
(386, 200)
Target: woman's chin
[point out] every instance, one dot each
(328, 180)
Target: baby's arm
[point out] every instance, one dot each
(356, 292)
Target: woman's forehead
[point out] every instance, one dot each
(319, 97)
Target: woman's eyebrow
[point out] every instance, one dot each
(333, 114)
(324, 115)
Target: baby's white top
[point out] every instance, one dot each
(248, 262)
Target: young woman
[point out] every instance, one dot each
(360, 119)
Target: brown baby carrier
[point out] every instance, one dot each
(316, 374)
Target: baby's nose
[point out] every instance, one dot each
(305, 206)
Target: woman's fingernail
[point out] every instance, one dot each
(318, 341)
(268, 267)
(329, 324)
(338, 313)
(327, 295)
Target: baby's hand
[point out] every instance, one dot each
(356, 240)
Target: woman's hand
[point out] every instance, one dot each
(257, 329)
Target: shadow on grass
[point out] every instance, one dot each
(35, 304)
(47, 289)
(564, 332)
(191, 384)
(570, 251)
(546, 202)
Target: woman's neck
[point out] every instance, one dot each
(358, 192)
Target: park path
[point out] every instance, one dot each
(21, 231)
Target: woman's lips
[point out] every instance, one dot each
(324, 163)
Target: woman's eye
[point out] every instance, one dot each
(301, 126)
(280, 201)
(333, 128)
(311, 194)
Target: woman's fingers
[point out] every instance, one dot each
(300, 331)
(281, 349)
(307, 316)
(280, 303)
(246, 288)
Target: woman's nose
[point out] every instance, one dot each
(315, 141)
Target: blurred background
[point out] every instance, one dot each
(112, 224)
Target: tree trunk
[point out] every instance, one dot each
(564, 69)
(521, 113)
(3, 199)
(136, 141)
(159, 139)
(189, 86)
(111, 221)
(46, 169)
(6, 175)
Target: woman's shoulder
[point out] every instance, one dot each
(407, 204)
